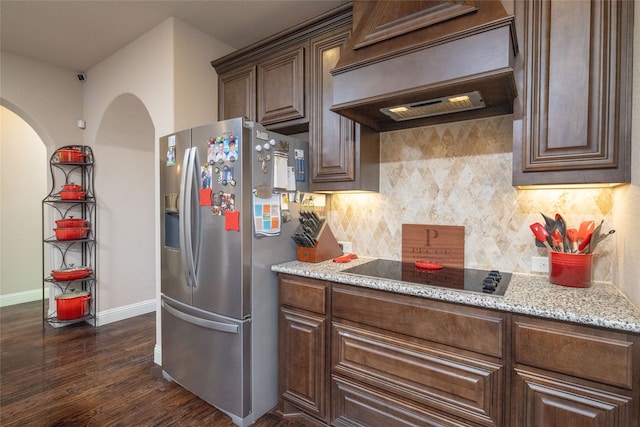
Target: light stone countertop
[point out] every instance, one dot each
(600, 305)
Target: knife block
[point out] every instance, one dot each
(326, 247)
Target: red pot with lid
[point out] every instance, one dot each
(72, 187)
(72, 222)
(72, 305)
(72, 233)
(73, 195)
(70, 155)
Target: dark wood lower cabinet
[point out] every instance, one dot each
(302, 343)
(545, 401)
(353, 356)
(356, 405)
(303, 364)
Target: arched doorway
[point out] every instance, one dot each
(23, 185)
(125, 192)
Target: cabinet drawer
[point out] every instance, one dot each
(307, 294)
(463, 327)
(603, 356)
(459, 385)
(354, 404)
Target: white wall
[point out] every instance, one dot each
(47, 97)
(23, 185)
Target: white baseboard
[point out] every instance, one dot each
(125, 312)
(157, 355)
(21, 297)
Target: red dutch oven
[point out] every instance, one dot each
(72, 222)
(71, 233)
(72, 305)
(73, 195)
(70, 155)
(72, 187)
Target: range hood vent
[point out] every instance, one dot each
(407, 63)
(435, 107)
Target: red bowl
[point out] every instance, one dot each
(73, 195)
(72, 222)
(70, 155)
(72, 233)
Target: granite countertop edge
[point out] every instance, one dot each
(601, 305)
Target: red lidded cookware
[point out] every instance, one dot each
(72, 222)
(72, 187)
(71, 273)
(72, 305)
(73, 195)
(71, 233)
(70, 155)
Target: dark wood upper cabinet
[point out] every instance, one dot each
(281, 88)
(237, 93)
(344, 155)
(271, 91)
(572, 117)
(284, 83)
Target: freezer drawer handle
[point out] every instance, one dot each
(209, 324)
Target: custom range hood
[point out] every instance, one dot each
(418, 63)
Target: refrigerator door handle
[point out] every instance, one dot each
(185, 217)
(194, 206)
(209, 324)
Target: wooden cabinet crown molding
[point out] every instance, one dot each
(289, 38)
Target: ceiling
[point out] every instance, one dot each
(77, 34)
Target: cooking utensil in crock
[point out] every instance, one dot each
(557, 240)
(583, 247)
(73, 233)
(561, 226)
(572, 236)
(586, 228)
(541, 234)
(549, 225)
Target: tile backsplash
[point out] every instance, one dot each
(460, 174)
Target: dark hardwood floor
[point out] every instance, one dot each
(81, 376)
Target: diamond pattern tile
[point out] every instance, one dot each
(460, 174)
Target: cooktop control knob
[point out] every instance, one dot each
(489, 285)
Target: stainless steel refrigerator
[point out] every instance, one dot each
(223, 226)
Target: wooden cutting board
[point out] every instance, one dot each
(440, 243)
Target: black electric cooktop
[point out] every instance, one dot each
(465, 279)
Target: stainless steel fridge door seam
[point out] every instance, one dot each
(209, 324)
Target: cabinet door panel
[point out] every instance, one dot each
(281, 86)
(237, 94)
(302, 361)
(572, 118)
(546, 402)
(333, 136)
